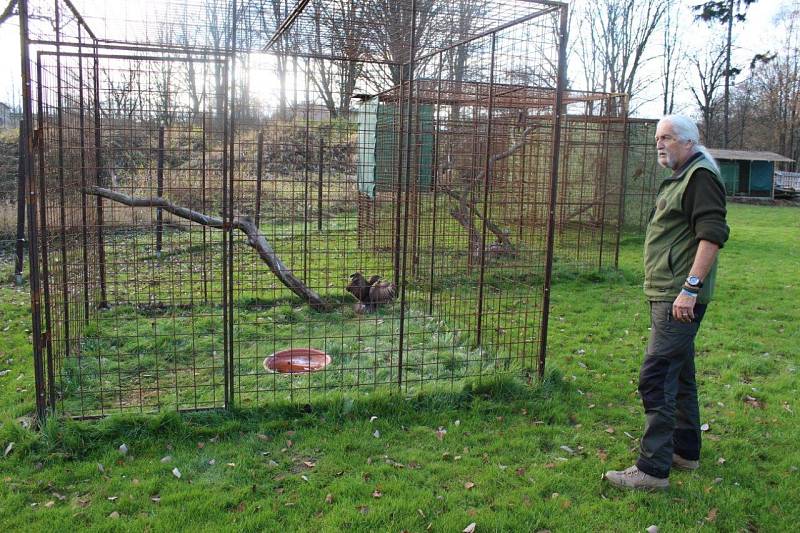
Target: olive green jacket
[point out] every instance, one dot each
(670, 244)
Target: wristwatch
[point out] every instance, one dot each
(694, 281)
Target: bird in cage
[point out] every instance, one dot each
(371, 292)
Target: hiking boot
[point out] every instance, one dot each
(633, 478)
(687, 465)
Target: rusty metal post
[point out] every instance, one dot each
(551, 218)
(603, 187)
(259, 177)
(20, 250)
(160, 192)
(399, 190)
(487, 181)
(319, 184)
(41, 193)
(203, 172)
(33, 229)
(409, 119)
(98, 177)
(61, 193)
(623, 180)
(306, 179)
(434, 184)
(84, 210)
(230, 89)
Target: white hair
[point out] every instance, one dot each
(686, 130)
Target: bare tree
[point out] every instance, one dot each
(670, 62)
(270, 15)
(9, 11)
(710, 71)
(618, 34)
(338, 30)
(461, 22)
(395, 22)
(197, 91)
(724, 12)
(124, 100)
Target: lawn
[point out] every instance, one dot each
(504, 455)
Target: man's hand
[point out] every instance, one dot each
(683, 307)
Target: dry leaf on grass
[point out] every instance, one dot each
(377, 494)
(470, 528)
(329, 499)
(712, 515)
(469, 485)
(440, 433)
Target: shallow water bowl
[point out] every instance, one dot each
(297, 361)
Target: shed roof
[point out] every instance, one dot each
(747, 155)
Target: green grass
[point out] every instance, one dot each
(504, 436)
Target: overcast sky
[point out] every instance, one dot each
(756, 35)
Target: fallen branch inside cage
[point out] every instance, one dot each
(467, 209)
(246, 225)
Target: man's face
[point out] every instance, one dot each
(672, 152)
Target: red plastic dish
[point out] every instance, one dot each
(297, 360)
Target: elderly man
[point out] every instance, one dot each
(686, 230)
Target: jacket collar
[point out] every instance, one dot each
(681, 170)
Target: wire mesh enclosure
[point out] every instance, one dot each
(241, 201)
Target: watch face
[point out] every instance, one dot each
(693, 280)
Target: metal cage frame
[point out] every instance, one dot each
(547, 161)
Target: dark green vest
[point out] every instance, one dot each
(670, 245)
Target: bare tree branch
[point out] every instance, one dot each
(467, 210)
(9, 11)
(255, 239)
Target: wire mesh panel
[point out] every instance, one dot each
(241, 203)
(133, 295)
(642, 174)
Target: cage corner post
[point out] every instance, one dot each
(31, 203)
(554, 161)
(406, 174)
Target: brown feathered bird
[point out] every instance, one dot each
(371, 292)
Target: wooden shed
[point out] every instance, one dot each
(748, 173)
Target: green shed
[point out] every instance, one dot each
(379, 138)
(747, 173)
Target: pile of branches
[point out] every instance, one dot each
(294, 151)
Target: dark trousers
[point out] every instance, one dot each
(669, 391)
